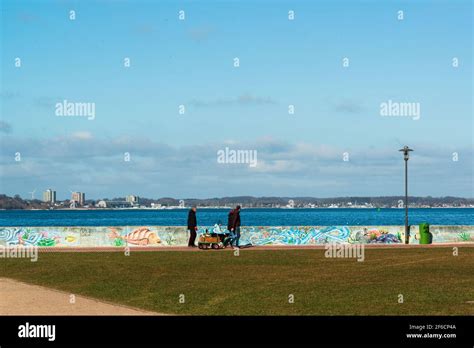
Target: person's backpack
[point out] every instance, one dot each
(230, 220)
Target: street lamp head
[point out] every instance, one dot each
(405, 151)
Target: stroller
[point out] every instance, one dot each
(218, 238)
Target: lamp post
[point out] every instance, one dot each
(406, 150)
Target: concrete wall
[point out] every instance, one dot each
(163, 236)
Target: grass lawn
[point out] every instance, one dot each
(259, 282)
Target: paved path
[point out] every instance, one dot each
(17, 298)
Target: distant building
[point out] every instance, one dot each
(78, 197)
(101, 204)
(133, 200)
(49, 196)
(113, 204)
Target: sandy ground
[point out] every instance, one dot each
(19, 298)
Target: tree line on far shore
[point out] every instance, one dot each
(16, 202)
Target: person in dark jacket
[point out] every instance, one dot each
(192, 226)
(233, 225)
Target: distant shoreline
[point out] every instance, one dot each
(222, 208)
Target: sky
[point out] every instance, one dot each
(336, 143)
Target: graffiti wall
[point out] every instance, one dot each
(163, 236)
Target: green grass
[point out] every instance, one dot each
(258, 282)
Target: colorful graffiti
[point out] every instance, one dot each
(141, 236)
(162, 236)
(464, 237)
(306, 235)
(28, 236)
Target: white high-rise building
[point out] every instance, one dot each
(49, 196)
(78, 197)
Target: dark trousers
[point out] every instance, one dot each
(237, 236)
(192, 236)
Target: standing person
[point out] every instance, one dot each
(233, 225)
(192, 226)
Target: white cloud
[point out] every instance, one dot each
(82, 135)
(96, 165)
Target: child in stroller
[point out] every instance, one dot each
(218, 238)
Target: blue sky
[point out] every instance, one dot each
(190, 62)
